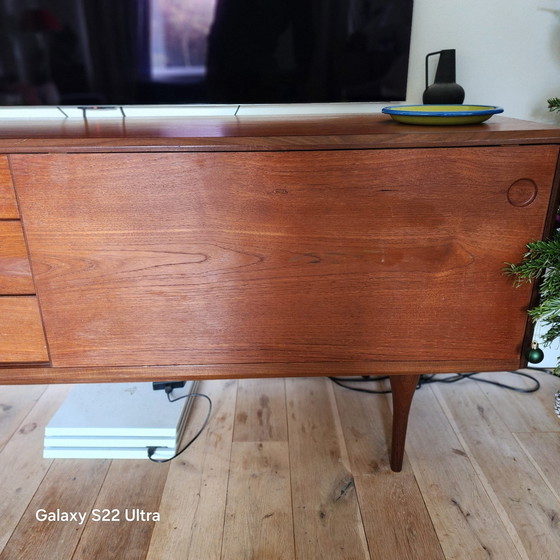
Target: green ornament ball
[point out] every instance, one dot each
(535, 355)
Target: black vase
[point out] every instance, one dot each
(444, 90)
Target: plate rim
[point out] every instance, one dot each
(405, 110)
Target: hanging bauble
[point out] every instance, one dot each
(535, 355)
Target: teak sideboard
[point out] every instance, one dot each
(211, 247)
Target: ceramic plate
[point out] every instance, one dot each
(442, 114)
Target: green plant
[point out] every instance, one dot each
(554, 104)
(541, 263)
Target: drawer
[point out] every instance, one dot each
(15, 271)
(21, 331)
(8, 206)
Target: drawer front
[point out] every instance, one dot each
(21, 332)
(22, 338)
(15, 272)
(8, 206)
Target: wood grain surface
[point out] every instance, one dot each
(69, 486)
(21, 331)
(22, 468)
(327, 520)
(458, 496)
(15, 272)
(374, 256)
(98, 539)
(259, 133)
(8, 206)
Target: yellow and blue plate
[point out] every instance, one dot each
(441, 114)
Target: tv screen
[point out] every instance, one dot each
(124, 52)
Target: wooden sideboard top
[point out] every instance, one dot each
(250, 133)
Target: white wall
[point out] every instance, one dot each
(508, 51)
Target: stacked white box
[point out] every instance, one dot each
(118, 421)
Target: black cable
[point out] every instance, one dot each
(339, 381)
(152, 450)
(431, 378)
(461, 376)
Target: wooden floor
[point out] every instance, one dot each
(298, 468)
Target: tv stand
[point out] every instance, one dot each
(215, 247)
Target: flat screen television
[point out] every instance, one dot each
(153, 52)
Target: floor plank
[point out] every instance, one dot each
(505, 469)
(543, 449)
(517, 415)
(16, 401)
(465, 519)
(261, 410)
(396, 520)
(22, 467)
(549, 385)
(129, 498)
(327, 520)
(259, 510)
(395, 517)
(194, 499)
(70, 487)
(366, 425)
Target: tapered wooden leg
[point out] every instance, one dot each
(403, 388)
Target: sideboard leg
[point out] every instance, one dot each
(403, 388)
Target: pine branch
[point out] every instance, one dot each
(541, 256)
(547, 310)
(552, 333)
(553, 104)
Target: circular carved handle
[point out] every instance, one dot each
(522, 192)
